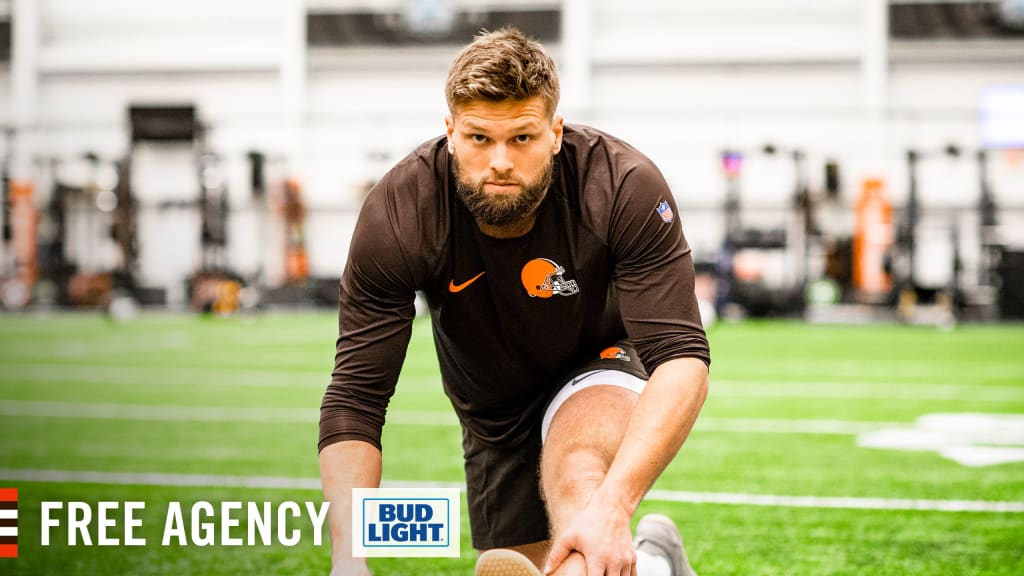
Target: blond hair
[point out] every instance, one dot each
(502, 65)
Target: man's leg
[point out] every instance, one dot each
(507, 513)
(582, 430)
(581, 443)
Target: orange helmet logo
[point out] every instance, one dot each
(542, 278)
(614, 353)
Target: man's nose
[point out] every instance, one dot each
(501, 160)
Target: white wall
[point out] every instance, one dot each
(156, 35)
(680, 80)
(644, 31)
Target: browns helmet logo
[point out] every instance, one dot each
(614, 353)
(542, 278)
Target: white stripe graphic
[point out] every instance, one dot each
(8, 514)
(278, 482)
(8, 530)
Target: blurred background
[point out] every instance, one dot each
(849, 160)
(839, 162)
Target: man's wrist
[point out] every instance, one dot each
(347, 560)
(616, 499)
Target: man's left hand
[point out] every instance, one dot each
(600, 534)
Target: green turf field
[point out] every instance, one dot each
(772, 481)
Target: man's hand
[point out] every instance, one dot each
(344, 466)
(600, 533)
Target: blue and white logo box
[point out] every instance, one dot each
(406, 522)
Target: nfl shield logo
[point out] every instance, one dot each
(665, 211)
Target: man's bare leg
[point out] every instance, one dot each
(582, 441)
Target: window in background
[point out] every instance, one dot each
(956, 19)
(5, 31)
(1002, 117)
(340, 24)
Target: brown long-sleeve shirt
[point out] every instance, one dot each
(605, 260)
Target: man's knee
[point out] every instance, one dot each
(573, 472)
(596, 416)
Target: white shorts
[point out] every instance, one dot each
(586, 380)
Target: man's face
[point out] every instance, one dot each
(503, 157)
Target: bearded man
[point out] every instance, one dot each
(560, 290)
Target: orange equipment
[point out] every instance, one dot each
(872, 238)
(17, 290)
(296, 258)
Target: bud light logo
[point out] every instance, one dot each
(405, 522)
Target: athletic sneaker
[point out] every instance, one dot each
(502, 562)
(657, 535)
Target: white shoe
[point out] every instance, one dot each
(657, 535)
(503, 562)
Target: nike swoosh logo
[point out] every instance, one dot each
(454, 288)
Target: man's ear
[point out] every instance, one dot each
(449, 126)
(557, 126)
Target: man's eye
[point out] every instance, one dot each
(479, 138)
(523, 138)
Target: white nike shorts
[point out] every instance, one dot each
(586, 380)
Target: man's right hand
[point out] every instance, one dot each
(350, 567)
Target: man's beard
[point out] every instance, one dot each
(502, 209)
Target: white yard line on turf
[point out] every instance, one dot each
(285, 483)
(162, 375)
(88, 348)
(866, 390)
(792, 426)
(184, 413)
(836, 502)
(154, 412)
(15, 372)
(144, 412)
